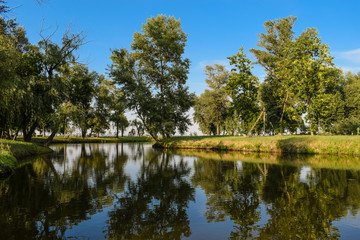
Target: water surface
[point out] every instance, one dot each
(131, 191)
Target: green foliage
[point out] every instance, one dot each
(99, 121)
(211, 107)
(139, 127)
(154, 75)
(242, 87)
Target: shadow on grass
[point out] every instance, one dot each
(295, 145)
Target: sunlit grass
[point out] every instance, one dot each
(10, 150)
(280, 144)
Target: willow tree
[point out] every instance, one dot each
(153, 76)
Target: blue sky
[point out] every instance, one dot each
(217, 29)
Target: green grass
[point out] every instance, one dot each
(349, 145)
(11, 150)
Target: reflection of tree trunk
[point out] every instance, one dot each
(52, 168)
(33, 174)
(64, 158)
(285, 186)
(264, 171)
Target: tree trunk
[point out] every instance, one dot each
(16, 134)
(218, 129)
(8, 135)
(264, 120)
(283, 112)
(28, 135)
(65, 127)
(255, 124)
(83, 133)
(117, 130)
(43, 133)
(50, 138)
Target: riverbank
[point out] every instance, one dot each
(299, 144)
(10, 151)
(42, 140)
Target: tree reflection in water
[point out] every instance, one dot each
(147, 195)
(154, 206)
(295, 210)
(48, 195)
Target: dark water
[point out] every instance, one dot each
(130, 191)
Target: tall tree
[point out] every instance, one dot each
(80, 90)
(55, 57)
(275, 44)
(307, 64)
(242, 87)
(154, 75)
(102, 105)
(211, 107)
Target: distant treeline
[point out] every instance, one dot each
(303, 90)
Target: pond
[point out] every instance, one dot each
(132, 191)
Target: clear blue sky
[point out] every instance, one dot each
(217, 29)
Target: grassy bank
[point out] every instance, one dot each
(11, 150)
(349, 145)
(91, 139)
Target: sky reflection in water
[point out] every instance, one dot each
(131, 191)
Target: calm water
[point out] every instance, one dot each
(130, 191)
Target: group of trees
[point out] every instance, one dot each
(44, 87)
(302, 89)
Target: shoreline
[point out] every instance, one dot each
(293, 144)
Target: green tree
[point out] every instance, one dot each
(154, 75)
(102, 105)
(242, 87)
(139, 127)
(211, 107)
(117, 107)
(80, 90)
(276, 42)
(55, 58)
(308, 64)
(350, 120)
